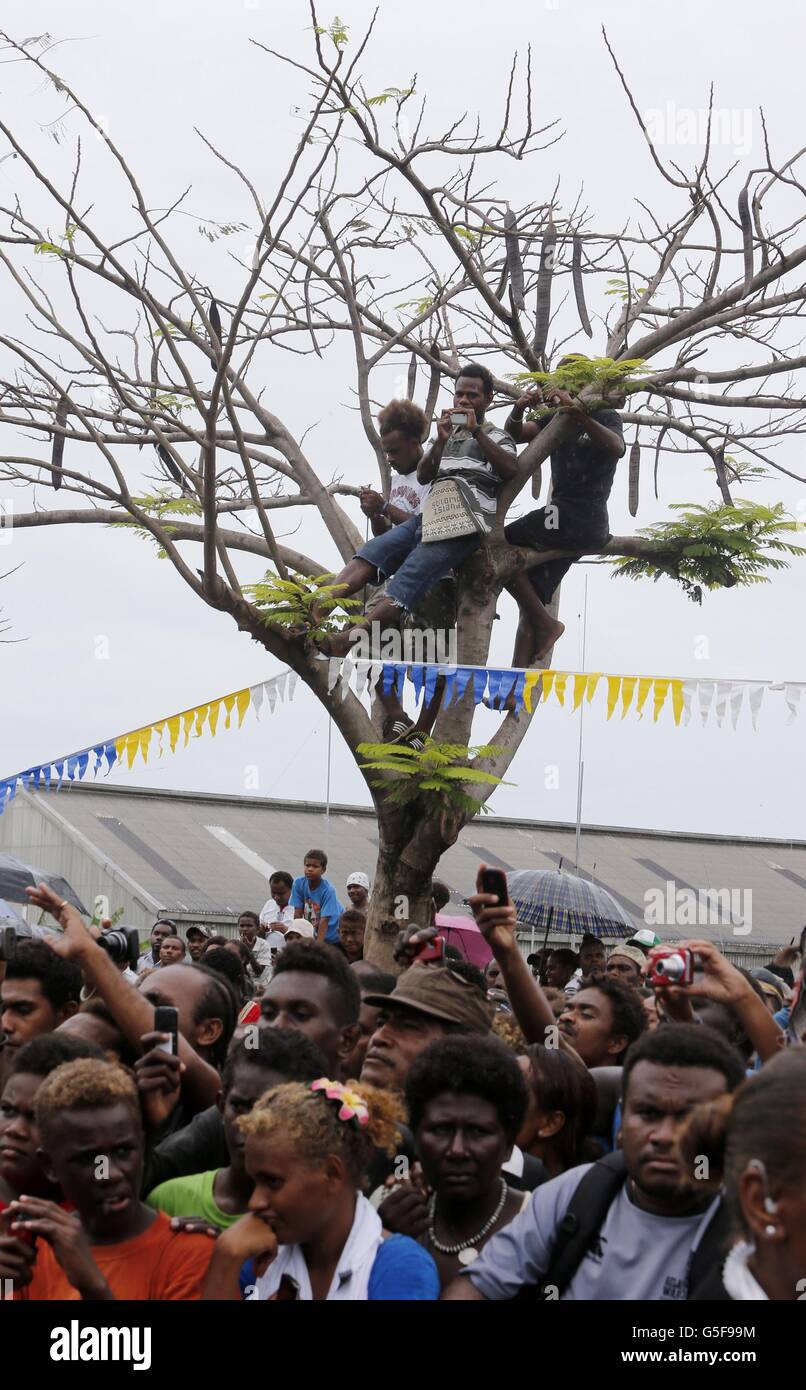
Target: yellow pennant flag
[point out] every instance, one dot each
(593, 681)
(677, 700)
(145, 742)
(215, 710)
(531, 680)
(644, 687)
(560, 682)
(173, 730)
(613, 687)
(661, 691)
(628, 684)
(229, 702)
(132, 744)
(187, 720)
(580, 686)
(243, 700)
(201, 712)
(548, 682)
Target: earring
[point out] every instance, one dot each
(770, 1231)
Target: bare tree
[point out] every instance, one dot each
(407, 248)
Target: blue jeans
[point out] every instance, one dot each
(417, 565)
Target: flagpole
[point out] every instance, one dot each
(580, 763)
(327, 789)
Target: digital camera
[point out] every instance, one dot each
(672, 967)
(121, 944)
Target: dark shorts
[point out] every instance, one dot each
(561, 526)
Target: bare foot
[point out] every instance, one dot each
(548, 636)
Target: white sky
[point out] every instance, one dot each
(153, 71)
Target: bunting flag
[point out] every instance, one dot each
(499, 688)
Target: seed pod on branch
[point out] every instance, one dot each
(57, 452)
(514, 262)
(722, 476)
(661, 438)
(171, 467)
(215, 324)
(579, 289)
(747, 237)
(412, 377)
(154, 374)
(433, 389)
(544, 278)
(635, 466)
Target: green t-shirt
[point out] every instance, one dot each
(191, 1196)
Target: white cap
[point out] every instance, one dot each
(275, 940)
(301, 927)
(361, 879)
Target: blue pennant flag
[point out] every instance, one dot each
(60, 770)
(111, 755)
(83, 759)
(450, 688)
(417, 676)
(519, 684)
(432, 674)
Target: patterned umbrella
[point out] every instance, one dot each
(545, 898)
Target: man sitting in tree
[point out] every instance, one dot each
(582, 471)
(467, 464)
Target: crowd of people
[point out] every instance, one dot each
(580, 1123)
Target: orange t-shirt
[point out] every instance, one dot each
(159, 1265)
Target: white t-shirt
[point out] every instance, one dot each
(271, 913)
(407, 493)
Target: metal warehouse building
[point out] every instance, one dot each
(207, 857)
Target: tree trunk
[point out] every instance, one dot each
(410, 846)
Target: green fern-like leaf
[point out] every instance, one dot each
(438, 772)
(289, 602)
(715, 547)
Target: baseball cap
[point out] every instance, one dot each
(302, 928)
(361, 879)
(196, 930)
(645, 938)
(275, 940)
(438, 992)
(633, 953)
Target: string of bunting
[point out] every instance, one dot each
(684, 696)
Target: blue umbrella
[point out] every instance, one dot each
(546, 898)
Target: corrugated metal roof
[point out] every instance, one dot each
(212, 854)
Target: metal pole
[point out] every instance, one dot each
(327, 791)
(581, 765)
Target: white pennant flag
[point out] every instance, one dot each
(347, 673)
(705, 692)
(723, 690)
(754, 698)
(270, 688)
(375, 673)
(736, 699)
(333, 672)
(256, 694)
(282, 682)
(362, 670)
(292, 684)
(688, 690)
(792, 695)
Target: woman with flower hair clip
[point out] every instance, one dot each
(310, 1233)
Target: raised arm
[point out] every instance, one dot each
(129, 1008)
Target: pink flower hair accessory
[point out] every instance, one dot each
(351, 1105)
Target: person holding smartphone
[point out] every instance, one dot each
(474, 459)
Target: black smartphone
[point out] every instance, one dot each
(8, 943)
(495, 881)
(166, 1020)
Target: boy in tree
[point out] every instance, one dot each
(111, 1246)
(314, 897)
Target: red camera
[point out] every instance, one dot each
(430, 950)
(672, 966)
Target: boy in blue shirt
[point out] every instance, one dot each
(314, 897)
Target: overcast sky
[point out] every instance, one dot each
(153, 71)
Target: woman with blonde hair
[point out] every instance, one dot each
(310, 1233)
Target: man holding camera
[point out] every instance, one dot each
(467, 464)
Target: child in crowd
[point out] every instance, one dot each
(314, 898)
